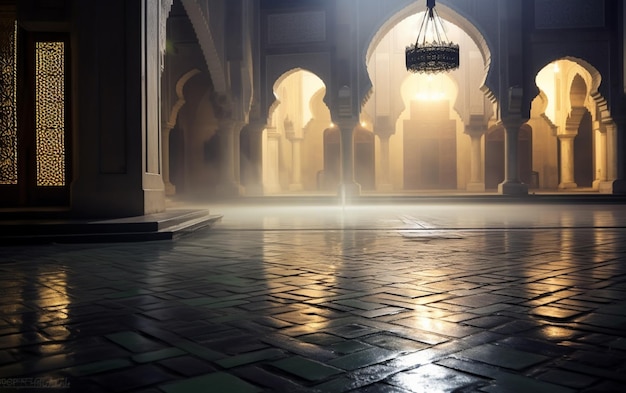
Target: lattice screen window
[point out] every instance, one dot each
(8, 100)
(50, 112)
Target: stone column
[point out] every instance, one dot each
(476, 130)
(296, 156)
(611, 153)
(228, 185)
(614, 184)
(385, 163)
(296, 164)
(170, 189)
(567, 161)
(601, 175)
(512, 184)
(255, 186)
(349, 187)
(272, 170)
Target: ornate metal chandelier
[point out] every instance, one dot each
(438, 55)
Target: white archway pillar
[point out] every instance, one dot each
(567, 161)
(611, 153)
(271, 170)
(296, 163)
(601, 156)
(385, 163)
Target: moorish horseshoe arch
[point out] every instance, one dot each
(448, 14)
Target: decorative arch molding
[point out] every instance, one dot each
(448, 14)
(199, 18)
(539, 106)
(601, 112)
(180, 85)
(276, 102)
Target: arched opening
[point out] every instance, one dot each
(420, 120)
(563, 127)
(294, 143)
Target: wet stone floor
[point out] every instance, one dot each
(387, 300)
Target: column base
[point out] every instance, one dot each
(596, 185)
(349, 191)
(476, 187)
(567, 186)
(296, 187)
(513, 188)
(612, 187)
(154, 201)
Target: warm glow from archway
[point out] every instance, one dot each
(555, 80)
(423, 87)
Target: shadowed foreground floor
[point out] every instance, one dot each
(412, 298)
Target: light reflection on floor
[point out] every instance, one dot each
(318, 298)
(419, 216)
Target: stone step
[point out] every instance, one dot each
(161, 226)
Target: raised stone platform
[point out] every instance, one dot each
(23, 228)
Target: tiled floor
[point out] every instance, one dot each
(408, 298)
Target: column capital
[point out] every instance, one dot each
(273, 133)
(293, 137)
(566, 136)
(256, 126)
(513, 122)
(346, 123)
(476, 130)
(384, 132)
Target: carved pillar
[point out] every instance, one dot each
(170, 189)
(348, 187)
(228, 186)
(613, 184)
(611, 153)
(601, 156)
(385, 162)
(255, 183)
(476, 130)
(567, 161)
(272, 169)
(296, 164)
(512, 184)
(296, 156)
(567, 147)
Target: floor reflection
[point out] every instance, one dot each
(362, 298)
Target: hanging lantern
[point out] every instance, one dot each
(437, 55)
